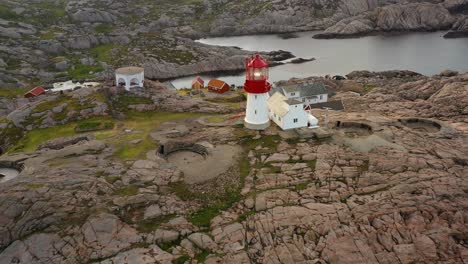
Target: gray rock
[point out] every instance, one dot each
(202, 241)
(93, 15)
(152, 211)
(62, 66)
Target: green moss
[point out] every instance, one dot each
(312, 164)
(12, 92)
(215, 119)
(104, 52)
(148, 226)
(302, 186)
(103, 28)
(128, 151)
(122, 102)
(34, 138)
(170, 244)
(93, 126)
(112, 179)
(34, 186)
(129, 190)
(369, 88)
(181, 259)
(7, 13)
(269, 142)
(81, 72)
(201, 257)
(49, 105)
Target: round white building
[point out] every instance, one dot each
(130, 77)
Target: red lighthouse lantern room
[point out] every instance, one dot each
(257, 76)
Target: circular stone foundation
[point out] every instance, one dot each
(421, 125)
(354, 129)
(198, 162)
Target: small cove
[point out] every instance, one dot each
(426, 53)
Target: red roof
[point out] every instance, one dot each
(257, 62)
(35, 92)
(198, 80)
(217, 84)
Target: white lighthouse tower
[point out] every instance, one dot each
(257, 87)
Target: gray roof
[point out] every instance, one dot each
(293, 102)
(333, 105)
(306, 89)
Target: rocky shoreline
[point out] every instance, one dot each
(83, 40)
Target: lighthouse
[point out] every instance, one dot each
(257, 87)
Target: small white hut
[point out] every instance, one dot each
(130, 77)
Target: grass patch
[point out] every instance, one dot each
(142, 124)
(93, 126)
(121, 103)
(215, 119)
(104, 52)
(368, 88)
(12, 92)
(34, 186)
(35, 137)
(128, 151)
(312, 164)
(81, 72)
(168, 245)
(103, 28)
(148, 226)
(201, 257)
(129, 190)
(270, 143)
(301, 186)
(181, 259)
(112, 179)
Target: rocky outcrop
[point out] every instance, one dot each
(93, 15)
(412, 17)
(459, 29)
(393, 18)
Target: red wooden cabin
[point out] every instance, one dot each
(218, 86)
(35, 92)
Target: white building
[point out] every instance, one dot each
(307, 93)
(70, 85)
(287, 113)
(130, 77)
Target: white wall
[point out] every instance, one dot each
(317, 100)
(293, 95)
(295, 112)
(287, 122)
(257, 109)
(277, 119)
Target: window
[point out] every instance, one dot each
(255, 97)
(279, 118)
(293, 94)
(296, 120)
(255, 111)
(321, 97)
